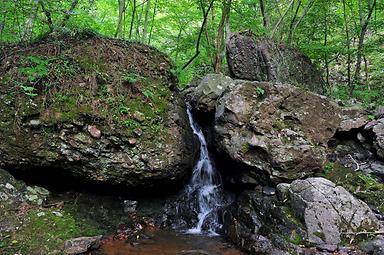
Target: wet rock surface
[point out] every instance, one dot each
(263, 59)
(81, 245)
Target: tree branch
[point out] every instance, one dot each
(69, 12)
(200, 33)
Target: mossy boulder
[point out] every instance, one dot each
(93, 109)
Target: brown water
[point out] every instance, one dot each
(169, 243)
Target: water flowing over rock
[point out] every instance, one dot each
(204, 195)
(263, 59)
(115, 119)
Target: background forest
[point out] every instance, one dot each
(344, 38)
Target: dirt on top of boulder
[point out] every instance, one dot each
(95, 108)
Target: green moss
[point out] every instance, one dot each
(286, 210)
(365, 187)
(44, 231)
(295, 238)
(320, 235)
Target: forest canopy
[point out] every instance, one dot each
(343, 38)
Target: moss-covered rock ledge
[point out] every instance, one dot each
(93, 109)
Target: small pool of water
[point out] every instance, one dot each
(169, 243)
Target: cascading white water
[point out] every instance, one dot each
(205, 186)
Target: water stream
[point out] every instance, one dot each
(205, 186)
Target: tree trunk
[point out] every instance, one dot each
(146, 17)
(119, 29)
(326, 53)
(281, 18)
(133, 19)
(364, 28)
(348, 46)
(290, 33)
(153, 22)
(69, 12)
(264, 13)
(26, 34)
(200, 33)
(138, 23)
(220, 36)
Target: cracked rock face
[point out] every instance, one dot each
(209, 89)
(377, 127)
(263, 59)
(329, 211)
(278, 130)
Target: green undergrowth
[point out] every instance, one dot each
(106, 82)
(365, 187)
(44, 230)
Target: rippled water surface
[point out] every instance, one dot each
(169, 243)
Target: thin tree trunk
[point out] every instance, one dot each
(138, 23)
(281, 18)
(69, 12)
(307, 8)
(364, 27)
(220, 36)
(264, 13)
(290, 34)
(326, 53)
(47, 15)
(133, 19)
(119, 29)
(348, 46)
(146, 17)
(153, 22)
(28, 25)
(366, 71)
(200, 34)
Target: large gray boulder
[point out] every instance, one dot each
(274, 129)
(329, 211)
(263, 59)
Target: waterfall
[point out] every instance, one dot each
(205, 187)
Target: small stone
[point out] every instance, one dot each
(130, 206)
(58, 214)
(9, 186)
(34, 123)
(3, 196)
(132, 141)
(94, 132)
(361, 138)
(138, 132)
(282, 191)
(139, 117)
(40, 214)
(269, 191)
(81, 245)
(78, 123)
